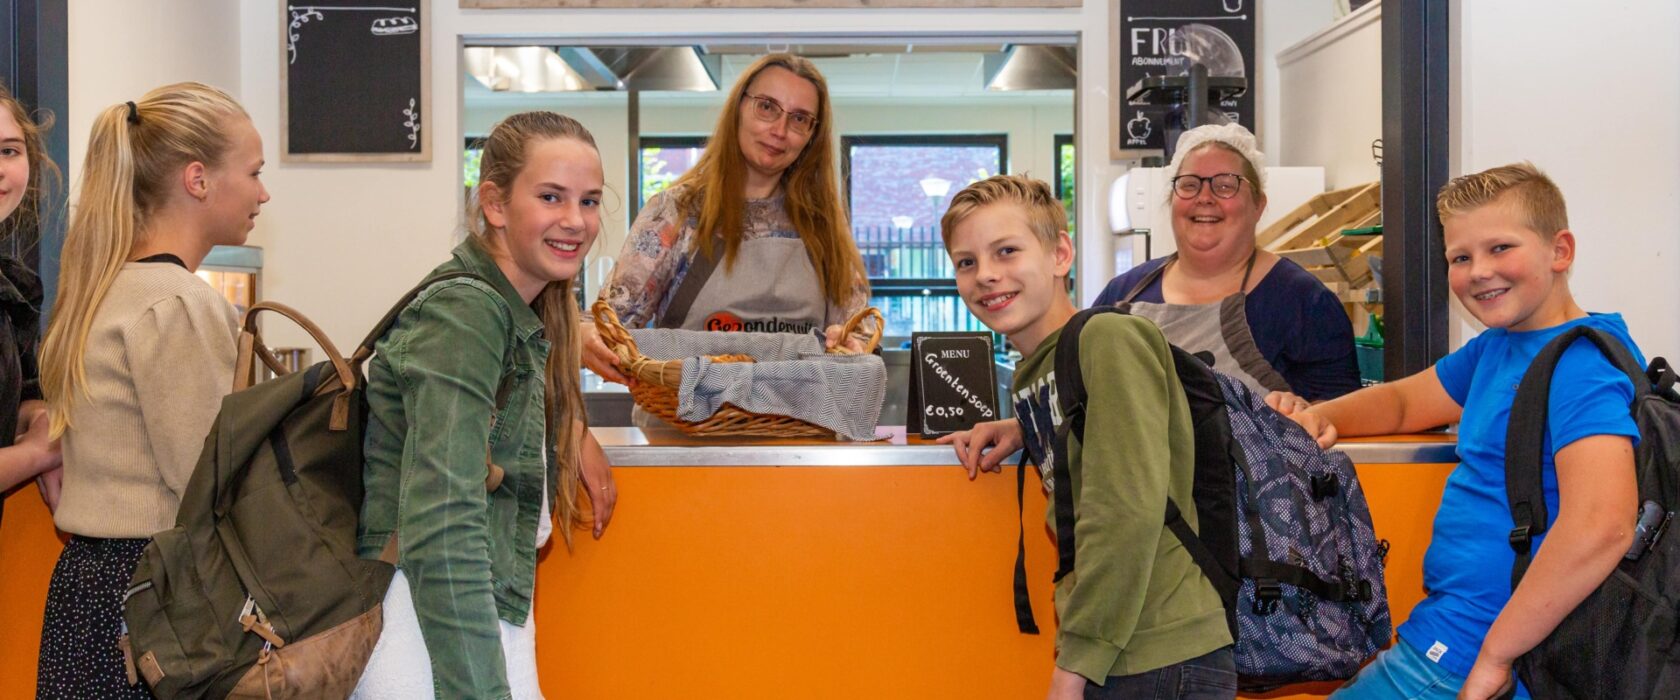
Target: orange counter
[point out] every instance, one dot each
(836, 572)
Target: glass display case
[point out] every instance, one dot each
(236, 272)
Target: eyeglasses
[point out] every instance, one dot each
(1225, 185)
(767, 109)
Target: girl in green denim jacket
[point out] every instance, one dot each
(463, 385)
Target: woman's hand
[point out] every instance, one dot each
(983, 448)
(27, 411)
(836, 336)
(1299, 410)
(598, 480)
(1489, 678)
(1066, 685)
(51, 485)
(597, 357)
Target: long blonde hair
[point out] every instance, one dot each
(716, 186)
(23, 227)
(506, 151)
(132, 155)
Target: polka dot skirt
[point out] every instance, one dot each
(79, 655)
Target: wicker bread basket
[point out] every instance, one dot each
(657, 381)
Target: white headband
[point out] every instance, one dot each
(1233, 135)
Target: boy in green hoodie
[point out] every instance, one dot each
(1137, 618)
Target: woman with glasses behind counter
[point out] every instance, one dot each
(754, 237)
(1263, 319)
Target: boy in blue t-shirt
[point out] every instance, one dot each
(1508, 256)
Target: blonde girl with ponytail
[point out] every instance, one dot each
(475, 436)
(138, 354)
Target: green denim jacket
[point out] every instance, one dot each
(462, 349)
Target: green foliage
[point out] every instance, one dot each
(474, 155)
(655, 178)
(1065, 163)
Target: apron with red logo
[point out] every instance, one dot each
(771, 288)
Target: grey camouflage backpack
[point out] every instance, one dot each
(1285, 533)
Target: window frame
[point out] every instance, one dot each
(664, 141)
(847, 141)
(1056, 144)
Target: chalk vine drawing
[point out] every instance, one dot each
(413, 124)
(302, 14)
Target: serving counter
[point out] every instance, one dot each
(795, 569)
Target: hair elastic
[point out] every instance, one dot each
(133, 113)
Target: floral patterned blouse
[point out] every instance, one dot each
(660, 250)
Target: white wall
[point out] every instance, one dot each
(1590, 93)
(1282, 25)
(119, 49)
(1331, 87)
(1031, 128)
(343, 241)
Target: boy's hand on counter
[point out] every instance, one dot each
(984, 448)
(597, 357)
(598, 480)
(1300, 410)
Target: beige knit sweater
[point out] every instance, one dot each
(159, 359)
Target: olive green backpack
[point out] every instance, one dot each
(257, 591)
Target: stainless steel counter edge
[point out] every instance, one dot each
(622, 454)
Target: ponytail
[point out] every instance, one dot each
(134, 150)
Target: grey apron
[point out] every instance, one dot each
(772, 288)
(1219, 328)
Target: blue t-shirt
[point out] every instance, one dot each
(1298, 326)
(1467, 570)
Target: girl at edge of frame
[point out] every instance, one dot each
(26, 173)
(464, 386)
(138, 354)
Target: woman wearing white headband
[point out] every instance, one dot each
(1264, 319)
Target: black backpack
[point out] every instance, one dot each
(1285, 535)
(257, 591)
(1620, 641)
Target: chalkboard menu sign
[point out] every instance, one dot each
(355, 83)
(953, 382)
(1150, 40)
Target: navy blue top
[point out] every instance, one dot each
(1298, 325)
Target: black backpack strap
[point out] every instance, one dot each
(1023, 602)
(1070, 398)
(365, 350)
(1223, 582)
(1525, 435)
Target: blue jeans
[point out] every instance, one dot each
(1211, 676)
(1402, 673)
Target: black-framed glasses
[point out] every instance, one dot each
(767, 109)
(1225, 185)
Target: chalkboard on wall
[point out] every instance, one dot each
(354, 81)
(1145, 43)
(953, 383)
